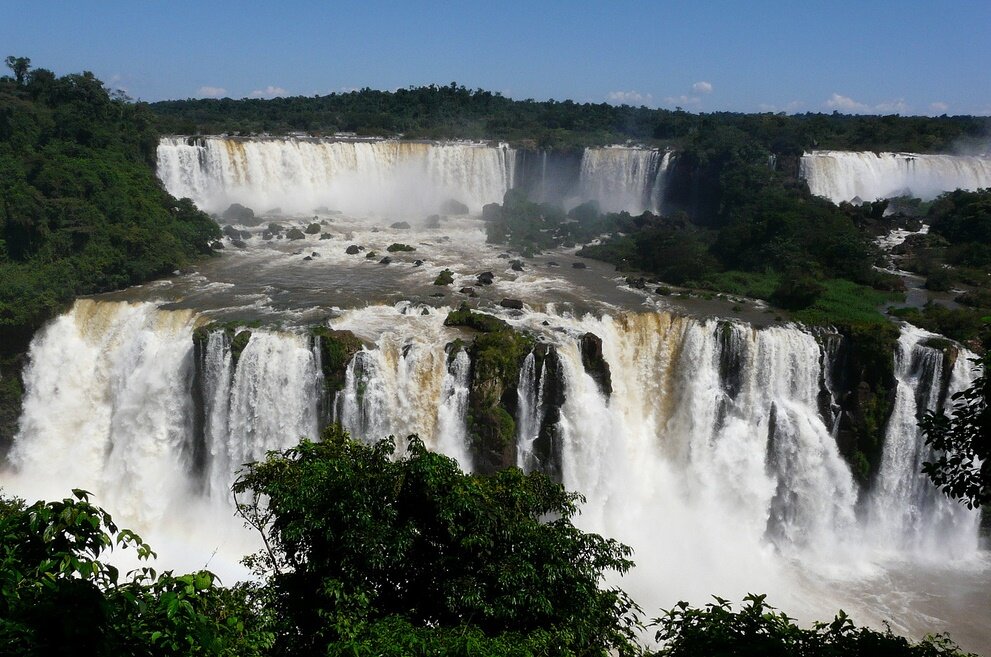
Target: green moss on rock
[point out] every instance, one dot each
(337, 348)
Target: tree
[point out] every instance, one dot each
(758, 629)
(20, 66)
(962, 443)
(359, 543)
(58, 595)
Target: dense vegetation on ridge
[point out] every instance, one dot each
(455, 112)
(81, 210)
(370, 555)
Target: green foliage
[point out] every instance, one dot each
(759, 630)
(398, 246)
(80, 208)
(453, 111)
(59, 597)
(464, 316)
(446, 277)
(359, 540)
(337, 348)
(961, 442)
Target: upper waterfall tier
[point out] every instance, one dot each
(847, 175)
(299, 175)
(624, 179)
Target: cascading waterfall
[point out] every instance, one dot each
(299, 175)
(848, 175)
(452, 415)
(624, 179)
(710, 456)
(907, 510)
(530, 412)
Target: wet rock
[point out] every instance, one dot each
(433, 221)
(385, 261)
(503, 256)
(453, 207)
(485, 278)
(370, 255)
(314, 254)
(308, 258)
(417, 263)
(553, 264)
(400, 225)
(231, 232)
(446, 277)
(636, 283)
(470, 291)
(313, 229)
(491, 212)
(216, 245)
(594, 362)
(239, 244)
(326, 236)
(579, 265)
(352, 250)
(425, 311)
(516, 266)
(514, 304)
(295, 234)
(239, 214)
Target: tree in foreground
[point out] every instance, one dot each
(759, 630)
(369, 554)
(59, 596)
(962, 443)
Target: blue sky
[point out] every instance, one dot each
(909, 57)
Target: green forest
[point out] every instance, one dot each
(373, 552)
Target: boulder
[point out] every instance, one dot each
(352, 250)
(239, 244)
(579, 265)
(433, 221)
(370, 255)
(454, 207)
(491, 212)
(400, 225)
(446, 277)
(231, 232)
(485, 278)
(385, 261)
(594, 362)
(417, 263)
(216, 245)
(313, 229)
(326, 236)
(295, 234)
(514, 304)
(239, 214)
(470, 291)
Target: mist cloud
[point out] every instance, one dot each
(628, 97)
(212, 92)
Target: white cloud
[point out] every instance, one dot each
(268, 92)
(702, 87)
(897, 106)
(682, 101)
(629, 97)
(939, 107)
(845, 103)
(212, 92)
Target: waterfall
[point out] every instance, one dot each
(397, 389)
(713, 456)
(908, 512)
(845, 176)
(452, 415)
(299, 175)
(530, 412)
(624, 179)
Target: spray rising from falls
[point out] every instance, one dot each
(624, 179)
(300, 175)
(845, 176)
(706, 445)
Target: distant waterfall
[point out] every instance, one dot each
(300, 175)
(624, 179)
(845, 176)
(908, 511)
